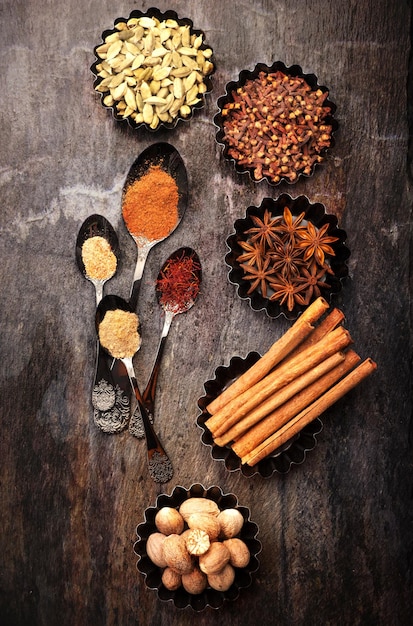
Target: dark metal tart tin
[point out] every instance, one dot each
(294, 452)
(153, 574)
(248, 75)
(155, 13)
(314, 213)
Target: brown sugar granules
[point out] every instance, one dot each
(118, 333)
(150, 205)
(98, 258)
(276, 126)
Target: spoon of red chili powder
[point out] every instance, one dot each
(177, 288)
(154, 200)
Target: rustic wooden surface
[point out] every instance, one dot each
(336, 531)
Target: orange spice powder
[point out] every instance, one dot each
(150, 205)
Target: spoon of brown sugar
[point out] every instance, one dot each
(177, 288)
(118, 329)
(154, 200)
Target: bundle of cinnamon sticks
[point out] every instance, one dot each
(303, 373)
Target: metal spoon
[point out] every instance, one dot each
(111, 389)
(170, 309)
(96, 226)
(168, 158)
(159, 464)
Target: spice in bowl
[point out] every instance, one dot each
(152, 68)
(286, 253)
(303, 374)
(276, 123)
(150, 205)
(197, 547)
(288, 259)
(98, 258)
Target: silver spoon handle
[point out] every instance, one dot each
(98, 290)
(159, 464)
(110, 394)
(143, 251)
(150, 389)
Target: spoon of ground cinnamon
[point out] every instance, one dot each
(118, 329)
(154, 200)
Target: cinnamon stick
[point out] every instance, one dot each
(310, 413)
(329, 323)
(278, 351)
(275, 420)
(278, 399)
(237, 408)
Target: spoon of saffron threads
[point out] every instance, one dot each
(154, 200)
(177, 288)
(118, 330)
(97, 256)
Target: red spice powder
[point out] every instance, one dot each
(150, 205)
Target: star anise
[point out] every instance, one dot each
(253, 252)
(292, 226)
(288, 292)
(316, 242)
(265, 230)
(258, 275)
(313, 280)
(288, 260)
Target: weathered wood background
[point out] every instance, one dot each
(336, 531)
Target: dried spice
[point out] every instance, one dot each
(277, 126)
(286, 258)
(152, 71)
(150, 205)
(118, 333)
(98, 258)
(179, 283)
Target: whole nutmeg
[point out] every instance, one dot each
(171, 579)
(206, 522)
(198, 505)
(238, 549)
(195, 582)
(186, 533)
(197, 541)
(154, 549)
(222, 580)
(176, 554)
(231, 521)
(216, 557)
(169, 521)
